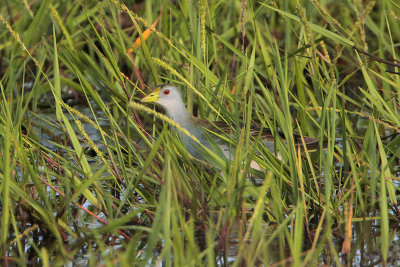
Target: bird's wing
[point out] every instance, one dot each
(223, 129)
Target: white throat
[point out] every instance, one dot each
(176, 110)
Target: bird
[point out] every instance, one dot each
(169, 97)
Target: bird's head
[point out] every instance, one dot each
(166, 95)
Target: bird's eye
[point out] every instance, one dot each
(166, 92)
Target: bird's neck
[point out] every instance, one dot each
(178, 113)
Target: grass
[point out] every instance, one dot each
(113, 184)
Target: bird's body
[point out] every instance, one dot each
(169, 97)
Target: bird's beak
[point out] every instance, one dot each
(152, 97)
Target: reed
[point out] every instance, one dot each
(90, 176)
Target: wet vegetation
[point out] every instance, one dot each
(89, 175)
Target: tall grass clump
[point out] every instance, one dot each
(89, 175)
